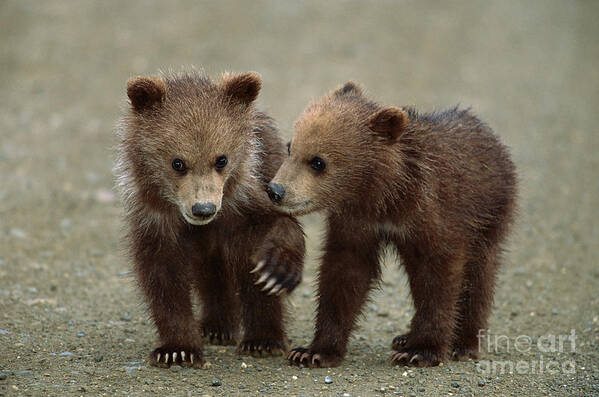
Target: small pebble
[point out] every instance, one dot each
(80, 334)
(421, 389)
(2, 376)
(328, 380)
(175, 368)
(455, 384)
(126, 316)
(130, 370)
(18, 233)
(216, 382)
(481, 383)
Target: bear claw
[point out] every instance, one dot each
(415, 359)
(278, 270)
(165, 357)
(306, 357)
(217, 337)
(261, 348)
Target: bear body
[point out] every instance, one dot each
(440, 188)
(194, 158)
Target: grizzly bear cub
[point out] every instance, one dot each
(439, 187)
(194, 158)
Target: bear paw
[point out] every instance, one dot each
(262, 348)
(216, 336)
(399, 342)
(277, 272)
(417, 357)
(462, 353)
(313, 359)
(164, 357)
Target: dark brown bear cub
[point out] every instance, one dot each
(194, 158)
(439, 187)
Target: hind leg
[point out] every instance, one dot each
(220, 308)
(475, 303)
(435, 281)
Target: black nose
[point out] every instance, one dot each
(203, 209)
(276, 192)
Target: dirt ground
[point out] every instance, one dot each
(71, 319)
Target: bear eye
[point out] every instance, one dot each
(221, 162)
(289, 148)
(318, 164)
(179, 165)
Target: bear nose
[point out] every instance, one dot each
(203, 209)
(276, 192)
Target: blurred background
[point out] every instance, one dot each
(71, 320)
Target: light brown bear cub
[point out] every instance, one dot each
(439, 187)
(194, 158)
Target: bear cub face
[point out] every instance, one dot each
(335, 148)
(192, 147)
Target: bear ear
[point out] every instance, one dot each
(145, 92)
(349, 88)
(243, 88)
(388, 122)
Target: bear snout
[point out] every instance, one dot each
(203, 210)
(275, 192)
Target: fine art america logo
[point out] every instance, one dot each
(547, 354)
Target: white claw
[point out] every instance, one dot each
(262, 278)
(158, 358)
(281, 292)
(259, 266)
(166, 358)
(182, 355)
(191, 358)
(276, 289)
(174, 357)
(269, 284)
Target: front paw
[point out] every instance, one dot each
(314, 359)
(262, 348)
(165, 356)
(279, 270)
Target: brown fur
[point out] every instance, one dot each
(189, 117)
(439, 187)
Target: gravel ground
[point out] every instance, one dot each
(71, 320)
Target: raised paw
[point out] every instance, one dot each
(262, 348)
(216, 336)
(164, 357)
(278, 272)
(416, 358)
(309, 358)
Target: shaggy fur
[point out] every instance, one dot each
(439, 187)
(175, 253)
